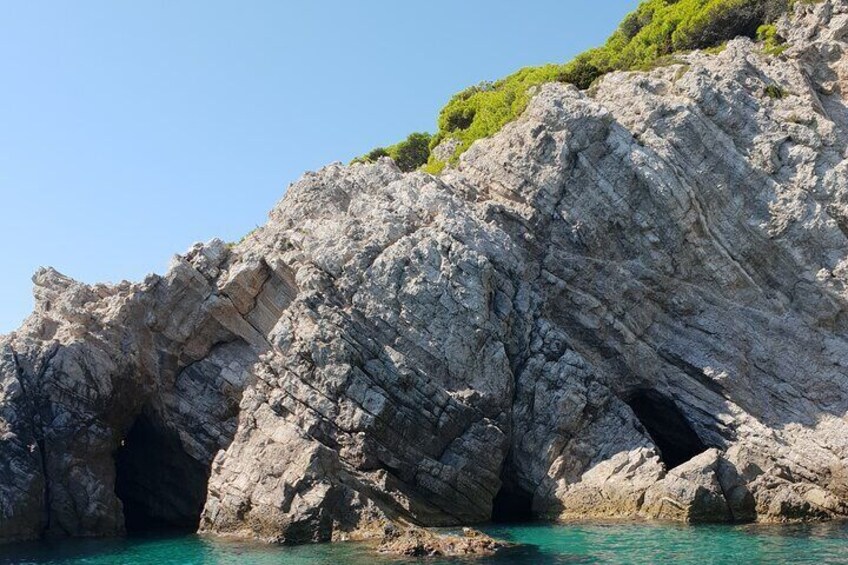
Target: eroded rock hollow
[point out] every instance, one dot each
(631, 302)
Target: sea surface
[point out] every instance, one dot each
(539, 545)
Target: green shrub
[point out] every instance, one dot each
(411, 153)
(372, 156)
(476, 113)
(434, 167)
(766, 33)
(717, 22)
(775, 91)
(645, 38)
(773, 43)
(460, 119)
(408, 155)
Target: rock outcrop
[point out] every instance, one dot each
(629, 303)
(419, 542)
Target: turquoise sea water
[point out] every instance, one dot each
(541, 545)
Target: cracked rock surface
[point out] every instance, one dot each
(631, 302)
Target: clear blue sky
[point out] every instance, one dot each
(130, 130)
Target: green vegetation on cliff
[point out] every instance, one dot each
(655, 30)
(408, 155)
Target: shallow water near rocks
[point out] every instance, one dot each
(541, 545)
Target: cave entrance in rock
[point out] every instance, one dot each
(512, 504)
(667, 426)
(160, 485)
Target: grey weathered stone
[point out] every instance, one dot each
(395, 347)
(691, 492)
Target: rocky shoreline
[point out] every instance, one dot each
(630, 303)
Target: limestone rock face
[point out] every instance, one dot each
(631, 302)
(691, 492)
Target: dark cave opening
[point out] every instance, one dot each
(667, 426)
(512, 505)
(162, 488)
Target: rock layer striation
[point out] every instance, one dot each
(631, 302)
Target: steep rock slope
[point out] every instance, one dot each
(630, 302)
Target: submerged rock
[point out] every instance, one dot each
(629, 303)
(418, 542)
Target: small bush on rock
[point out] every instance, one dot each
(655, 30)
(408, 155)
(411, 153)
(775, 91)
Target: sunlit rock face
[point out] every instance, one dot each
(629, 303)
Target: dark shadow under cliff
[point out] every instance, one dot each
(667, 426)
(160, 485)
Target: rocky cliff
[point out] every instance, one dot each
(631, 302)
